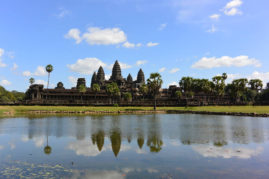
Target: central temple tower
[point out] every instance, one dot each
(116, 72)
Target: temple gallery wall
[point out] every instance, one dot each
(38, 95)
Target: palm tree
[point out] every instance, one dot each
(154, 84)
(127, 96)
(186, 84)
(49, 69)
(113, 90)
(178, 95)
(82, 89)
(256, 84)
(96, 89)
(47, 148)
(32, 81)
(143, 90)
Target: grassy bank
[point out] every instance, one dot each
(16, 110)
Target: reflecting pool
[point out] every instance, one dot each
(134, 146)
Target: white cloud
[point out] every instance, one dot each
(212, 29)
(259, 75)
(86, 66)
(233, 4)
(40, 71)
(74, 34)
(232, 12)
(122, 65)
(128, 45)
(107, 76)
(131, 45)
(225, 152)
(72, 80)
(162, 69)
(42, 82)
(215, 16)
(14, 67)
(264, 76)
(151, 44)
(162, 26)
(104, 174)
(231, 77)
(141, 62)
(1, 147)
(39, 141)
(84, 148)
(63, 12)
(225, 61)
(140, 151)
(231, 8)
(5, 83)
(108, 36)
(173, 83)
(174, 70)
(26, 73)
(2, 51)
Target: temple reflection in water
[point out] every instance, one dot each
(148, 132)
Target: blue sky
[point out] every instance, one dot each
(199, 38)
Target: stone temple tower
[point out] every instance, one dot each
(140, 77)
(116, 72)
(94, 79)
(100, 75)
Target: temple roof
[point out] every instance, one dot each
(94, 78)
(140, 76)
(116, 72)
(100, 74)
(129, 78)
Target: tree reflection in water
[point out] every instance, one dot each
(218, 131)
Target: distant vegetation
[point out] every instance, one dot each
(10, 96)
(239, 90)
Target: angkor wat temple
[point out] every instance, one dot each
(38, 95)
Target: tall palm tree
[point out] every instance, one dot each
(32, 81)
(143, 90)
(82, 89)
(154, 84)
(49, 69)
(96, 89)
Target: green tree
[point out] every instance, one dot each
(178, 95)
(96, 89)
(49, 69)
(127, 96)
(219, 84)
(31, 81)
(186, 84)
(238, 88)
(144, 90)
(154, 84)
(82, 89)
(113, 90)
(256, 84)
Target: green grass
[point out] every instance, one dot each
(26, 109)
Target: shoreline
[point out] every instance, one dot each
(145, 112)
(250, 111)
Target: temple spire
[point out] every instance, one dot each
(140, 76)
(100, 75)
(129, 78)
(116, 72)
(94, 79)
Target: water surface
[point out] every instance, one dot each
(134, 146)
